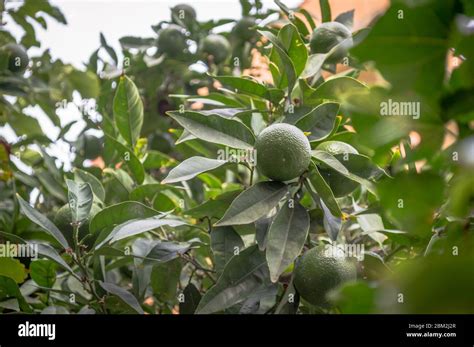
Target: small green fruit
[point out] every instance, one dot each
(216, 46)
(243, 29)
(317, 273)
(283, 152)
(172, 40)
(185, 13)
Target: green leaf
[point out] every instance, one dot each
(127, 155)
(335, 164)
(216, 129)
(346, 18)
(147, 192)
(410, 200)
(254, 203)
(251, 87)
(287, 306)
(96, 186)
(9, 289)
(411, 56)
(320, 121)
(325, 10)
(191, 300)
(286, 61)
(192, 167)
(137, 226)
(314, 64)
(244, 275)
(214, 207)
(332, 224)
(128, 110)
(43, 249)
(294, 46)
(337, 89)
(324, 191)
(286, 238)
(42, 221)
(117, 214)
(86, 83)
(225, 243)
(13, 269)
(123, 294)
(43, 272)
(354, 298)
(80, 200)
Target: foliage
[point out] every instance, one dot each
(174, 215)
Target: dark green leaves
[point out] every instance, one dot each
(137, 226)
(43, 272)
(254, 203)
(410, 200)
(337, 89)
(80, 200)
(225, 243)
(192, 167)
(216, 129)
(190, 301)
(96, 185)
(286, 237)
(128, 110)
(119, 213)
(320, 121)
(244, 275)
(409, 45)
(129, 157)
(42, 221)
(323, 191)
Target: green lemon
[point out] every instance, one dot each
(340, 185)
(17, 57)
(172, 40)
(329, 35)
(63, 219)
(283, 152)
(185, 13)
(317, 273)
(216, 46)
(243, 28)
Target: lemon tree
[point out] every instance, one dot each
(242, 189)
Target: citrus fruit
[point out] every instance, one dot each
(329, 35)
(216, 46)
(243, 28)
(89, 146)
(172, 40)
(317, 273)
(184, 12)
(17, 58)
(283, 152)
(63, 219)
(340, 185)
